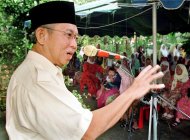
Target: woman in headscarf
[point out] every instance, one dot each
(184, 103)
(178, 85)
(89, 76)
(126, 81)
(163, 52)
(126, 78)
(166, 79)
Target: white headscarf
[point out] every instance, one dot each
(181, 78)
(176, 51)
(163, 50)
(165, 63)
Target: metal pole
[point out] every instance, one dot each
(177, 109)
(153, 101)
(154, 30)
(150, 118)
(155, 119)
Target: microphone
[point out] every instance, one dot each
(91, 50)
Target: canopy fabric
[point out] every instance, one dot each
(134, 18)
(172, 4)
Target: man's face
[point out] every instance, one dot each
(61, 43)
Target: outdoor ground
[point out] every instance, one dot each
(165, 131)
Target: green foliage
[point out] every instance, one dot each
(2, 104)
(16, 10)
(82, 1)
(68, 83)
(186, 43)
(13, 46)
(107, 43)
(13, 38)
(80, 98)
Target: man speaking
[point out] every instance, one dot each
(39, 106)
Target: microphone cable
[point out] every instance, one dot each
(120, 66)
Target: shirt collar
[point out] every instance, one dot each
(43, 63)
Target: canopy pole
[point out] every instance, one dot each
(155, 122)
(153, 101)
(154, 31)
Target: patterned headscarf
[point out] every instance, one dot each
(181, 78)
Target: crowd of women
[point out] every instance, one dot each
(104, 82)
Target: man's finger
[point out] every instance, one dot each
(154, 70)
(155, 76)
(157, 86)
(144, 71)
(149, 71)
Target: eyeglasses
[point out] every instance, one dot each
(69, 35)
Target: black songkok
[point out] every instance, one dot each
(52, 12)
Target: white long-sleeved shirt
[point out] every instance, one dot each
(40, 107)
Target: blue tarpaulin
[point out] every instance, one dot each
(167, 4)
(172, 4)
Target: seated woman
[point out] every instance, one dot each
(109, 89)
(126, 81)
(178, 84)
(166, 79)
(183, 104)
(126, 78)
(89, 76)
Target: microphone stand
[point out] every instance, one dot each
(154, 100)
(153, 112)
(153, 116)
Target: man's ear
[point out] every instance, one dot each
(41, 35)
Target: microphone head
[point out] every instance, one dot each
(90, 50)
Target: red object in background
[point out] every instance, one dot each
(146, 110)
